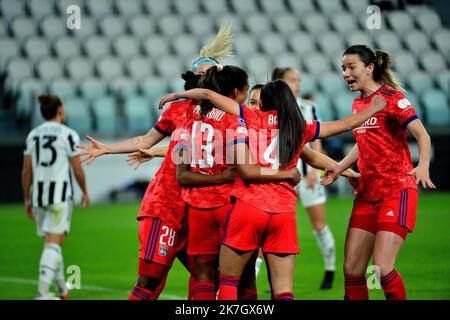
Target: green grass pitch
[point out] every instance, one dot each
(103, 243)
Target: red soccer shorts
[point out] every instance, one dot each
(206, 229)
(396, 213)
(247, 228)
(159, 243)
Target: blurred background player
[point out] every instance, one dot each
(310, 192)
(384, 209)
(49, 156)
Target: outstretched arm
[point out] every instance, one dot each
(332, 128)
(421, 172)
(333, 172)
(219, 101)
(135, 159)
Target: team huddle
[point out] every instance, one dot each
(226, 192)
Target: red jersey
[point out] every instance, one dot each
(384, 157)
(163, 195)
(270, 197)
(208, 140)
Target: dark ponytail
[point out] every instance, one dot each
(49, 105)
(223, 82)
(277, 95)
(382, 61)
(191, 80)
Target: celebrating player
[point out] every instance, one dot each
(48, 158)
(384, 210)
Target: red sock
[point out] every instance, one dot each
(228, 287)
(191, 287)
(247, 294)
(284, 296)
(139, 293)
(393, 286)
(356, 288)
(204, 290)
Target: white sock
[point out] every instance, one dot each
(258, 264)
(48, 267)
(60, 281)
(325, 241)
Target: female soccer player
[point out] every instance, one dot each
(310, 192)
(267, 208)
(384, 210)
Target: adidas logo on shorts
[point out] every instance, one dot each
(390, 213)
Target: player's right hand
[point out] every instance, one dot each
(330, 175)
(295, 176)
(229, 175)
(168, 98)
(135, 159)
(85, 200)
(379, 103)
(96, 149)
(29, 210)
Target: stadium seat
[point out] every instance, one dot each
(329, 7)
(359, 37)
(62, 5)
(324, 106)
(245, 44)
(441, 39)
(272, 43)
(400, 21)
(96, 46)
(10, 48)
(139, 111)
(308, 83)
(287, 60)
(23, 27)
(112, 26)
(11, 8)
(65, 47)
(443, 81)
(432, 61)
(331, 83)
(123, 86)
(428, 21)
(186, 7)
(78, 116)
(436, 104)
(258, 64)
(92, 88)
(237, 26)
(170, 25)
(40, 8)
(169, 66)
(387, 40)
(301, 7)
(153, 88)
(3, 30)
(79, 68)
(199, 24)
(49, 68)
(417, 105)
(127, 8)
(29, 88)
(185, 45)
(109, 67)
(141, 26)
(343, 22)
(343, 104)
(316, 63)
(125, 46)
(272, 8)
(244, 7)
(157, 8)
(63, 88)
(105, 114)
(88, 28)
(416, 41)
(257, 24)
(19, 69)
(315, 23)
(53, 27)
(330, 42)
(286, 24)
(419, 81)
(156, 46)
(99, 8)
(139, 66)
(36, 48)
(357, 6)
(302, 43)
(216, 7)
(404, 61)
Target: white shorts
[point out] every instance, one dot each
(311, 196)
(54, 219)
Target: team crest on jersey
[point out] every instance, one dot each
(403, 103)
(242, 122)
(163, 250)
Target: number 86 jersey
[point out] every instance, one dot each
(50, 146)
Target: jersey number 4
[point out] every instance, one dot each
(47, 145)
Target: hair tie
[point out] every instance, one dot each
(219, 67)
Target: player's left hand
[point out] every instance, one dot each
(85, 200)
(311, 179)
(422, 176)
(135, 159)
(354, 181)
(295, 176)
(167, 98)
(29, 210)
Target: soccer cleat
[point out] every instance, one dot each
(48, 296)
(327, 282)
(64, 295)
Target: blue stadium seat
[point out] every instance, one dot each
(109, 67)
(287, 60)
(400, 21)
(441, 39)
(437, 107)
(105, 113)
(36, 48)
(316, 63)
(96, 46)
(49, 68)
(123, 86)
(127, 8)
(359, 37)
(100, 8)
(216, 7)
(257, 24)
(186, 7)
(11, 8)
(287, 24)
(331, 83)
(324, 106)
(92, 88)
(302, 43)
(88, 28)
(169, 66)
(153, 88)
(185, 45)
(419, 81)
(272, 43)
(330, 42)
(236, 22)
(416, 41)
(301, 7)
(343, 22)
(315, 23)
(428, 21)
(155, 46)
(66, 47)
(139, 112)
(141, 26)
(245, 44)
(79, 68)
(126, 46)
(54, 26)
(244, 7)
(356, 7)
(432, 61)
(258, 64)
(443, 81)
(63, 87)
(40, 8)
(62, 5)
(10, 48)
(329, 7)
(78, 115)
(18, 69)
(112, 26)
(23, 27)
(388, 40)
(404, 61)
(343, 104)
(308, 83)
(170, 25)
(29, 88)
(139, 67)
(273, 8)
(157, 7)
(199, 24)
